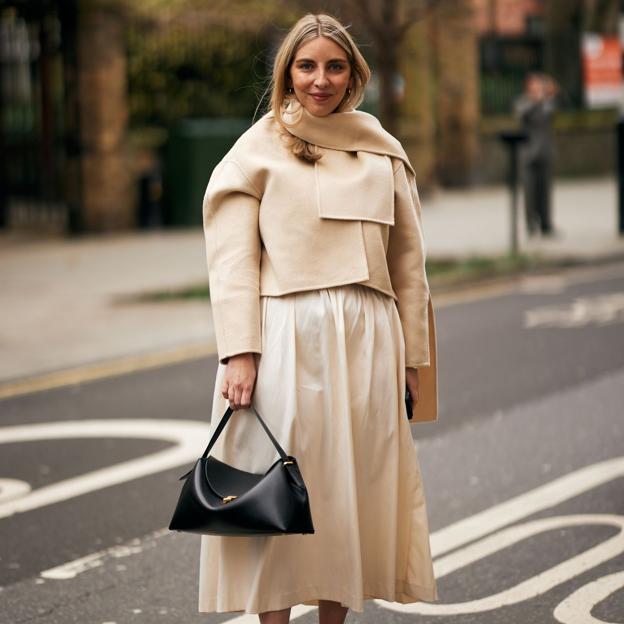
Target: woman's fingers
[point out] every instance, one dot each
(232, 396)
(238, 393)
(245, 400)
(239, 380)
(242, 396)
(413, 384)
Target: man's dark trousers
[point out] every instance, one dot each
(537, 194)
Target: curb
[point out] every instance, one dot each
(545, 266)
(460, 291)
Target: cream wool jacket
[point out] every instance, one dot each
(275, 224)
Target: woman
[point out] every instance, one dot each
(322, 317)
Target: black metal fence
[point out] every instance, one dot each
(504, 64)
(505, 61)
(31, 116)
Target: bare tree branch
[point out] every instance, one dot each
(369, 19)
(415, 11)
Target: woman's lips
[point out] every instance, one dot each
(320, 98)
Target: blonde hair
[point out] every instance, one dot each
(309, 27)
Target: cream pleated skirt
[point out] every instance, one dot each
(330, 386)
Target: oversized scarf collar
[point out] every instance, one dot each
(346, 187)
(352, 130)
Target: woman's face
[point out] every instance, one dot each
(320, 74)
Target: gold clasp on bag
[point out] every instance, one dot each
(288, 461)
(227, 499)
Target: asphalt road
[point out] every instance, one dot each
(524, 475)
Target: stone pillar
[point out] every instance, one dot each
(457, 93)
(104, 197)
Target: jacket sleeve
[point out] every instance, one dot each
(406, 266)
(230, 217)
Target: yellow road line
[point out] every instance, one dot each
(135, 363)
(102, 370)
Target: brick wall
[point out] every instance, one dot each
(508, 17)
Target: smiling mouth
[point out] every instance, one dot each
(319, 96)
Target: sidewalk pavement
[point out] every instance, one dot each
(63, 304)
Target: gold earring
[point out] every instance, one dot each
(290, 90)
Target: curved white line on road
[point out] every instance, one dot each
(534, 586)
(548, 495)
(485, 522)
(13, 488)
(185, 434)
(576, 608)
(188, 436)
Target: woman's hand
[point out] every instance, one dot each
(240, 380)
(413, 384)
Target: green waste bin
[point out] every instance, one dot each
(193, 149)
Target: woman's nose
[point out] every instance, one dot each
(321, 79)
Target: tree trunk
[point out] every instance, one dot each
(388, 65)
(457, 91)
(417, 112)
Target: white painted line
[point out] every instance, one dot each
(577, 607)
(13, 488)
(483, 523)
(534, 586)
(187, 433)
(73, 568)
(548, 495)
(188, 436)
(600, 310)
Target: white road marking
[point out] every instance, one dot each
(186, 434)
(534, 586)
(188, 437)
(77, 566)
(13, 488)
(548, 495)
(576, 608)
(477, 526)
(604, 309)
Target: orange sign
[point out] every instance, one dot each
(602, 70)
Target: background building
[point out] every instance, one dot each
(108, 107)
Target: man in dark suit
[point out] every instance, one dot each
(535, 108)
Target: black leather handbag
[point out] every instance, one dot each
(218, 499)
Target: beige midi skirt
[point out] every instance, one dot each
(330, 385)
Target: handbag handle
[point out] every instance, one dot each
(224, 421)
